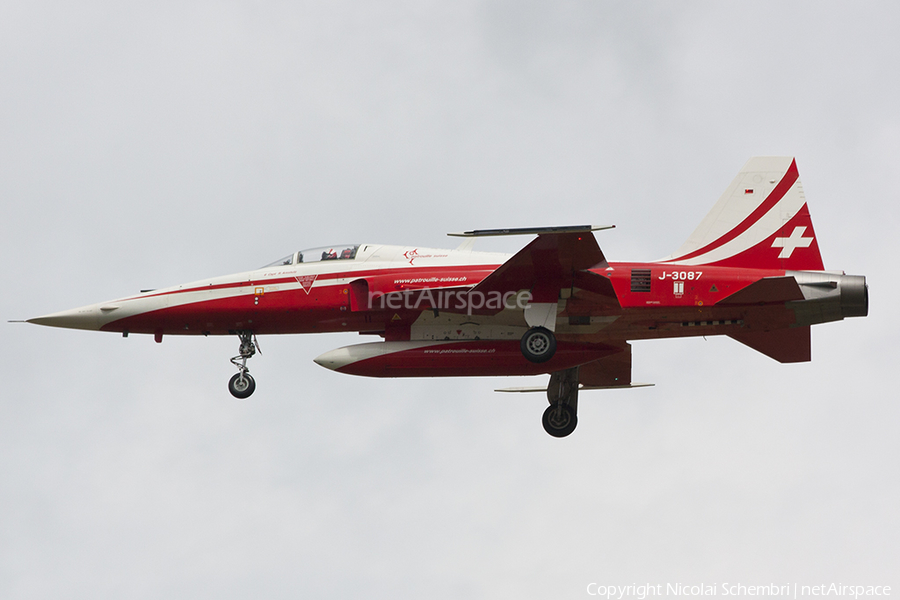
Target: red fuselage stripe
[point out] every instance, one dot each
(407, 273)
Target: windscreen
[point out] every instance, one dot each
(310, 255)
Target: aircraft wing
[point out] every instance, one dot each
(556, 259)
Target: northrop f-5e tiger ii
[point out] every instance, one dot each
(751, 271)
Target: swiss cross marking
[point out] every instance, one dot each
(789, 244)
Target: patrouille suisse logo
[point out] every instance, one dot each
(411, 255)
(306, 281)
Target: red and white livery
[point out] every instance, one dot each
(751, 270)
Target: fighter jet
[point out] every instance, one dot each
(751, 271)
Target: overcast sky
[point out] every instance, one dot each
(144, 146)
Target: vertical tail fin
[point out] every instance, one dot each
(761, 221)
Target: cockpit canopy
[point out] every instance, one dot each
(311, 255)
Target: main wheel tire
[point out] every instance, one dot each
(241, 387)
(559, 420)
(538, 344)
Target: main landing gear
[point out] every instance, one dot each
(538, 344)
(561, 417)
(241, 385)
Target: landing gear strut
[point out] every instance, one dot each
(241, 385)
(561, 417)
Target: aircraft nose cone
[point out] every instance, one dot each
(78, 318)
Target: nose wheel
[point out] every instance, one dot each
(242, 384)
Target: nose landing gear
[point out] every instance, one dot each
(241, 385)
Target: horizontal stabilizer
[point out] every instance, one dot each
(767, 290)
(784, 345)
